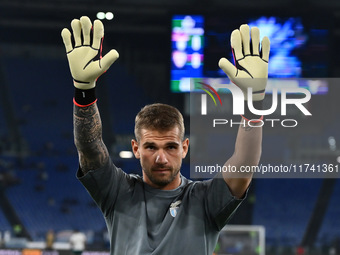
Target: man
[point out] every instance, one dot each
(77, 242)
(161, 212)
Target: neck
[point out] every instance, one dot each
(175, 183)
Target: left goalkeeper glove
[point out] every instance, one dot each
(251, 65)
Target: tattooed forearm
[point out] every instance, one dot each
(93, 159)
(88, 138)
(87, 124)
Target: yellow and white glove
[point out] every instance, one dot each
(85, 69)
(251, 66)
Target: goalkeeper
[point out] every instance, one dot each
(160, 212)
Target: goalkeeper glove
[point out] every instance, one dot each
(85, 69)
(249, 62)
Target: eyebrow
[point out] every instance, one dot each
(154, 144)
(172, 143)
(149, 144)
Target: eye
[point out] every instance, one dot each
(150, 147)
(172, 147)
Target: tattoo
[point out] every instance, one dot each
(92, 151)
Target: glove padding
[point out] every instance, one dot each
(248, 61)
(84, 69)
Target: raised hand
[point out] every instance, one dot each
(251, 64)
(84, 66)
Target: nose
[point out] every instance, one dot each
(161, 157)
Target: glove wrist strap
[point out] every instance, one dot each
(249, 116)
(83, 98)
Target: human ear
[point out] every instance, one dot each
(185, 146)
(135, 148)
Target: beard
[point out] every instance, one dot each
(161, 179)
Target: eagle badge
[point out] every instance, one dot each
(174, 208)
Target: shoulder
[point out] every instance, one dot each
(107, 171)
(107, 181)
(213, 185)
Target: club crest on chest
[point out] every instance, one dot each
(174, 208)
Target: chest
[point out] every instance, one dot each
(155, 220)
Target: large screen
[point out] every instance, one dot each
(299, 48)
(187, 54)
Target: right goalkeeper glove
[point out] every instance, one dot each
(85, 70)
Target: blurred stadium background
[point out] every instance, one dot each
(38, 161)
